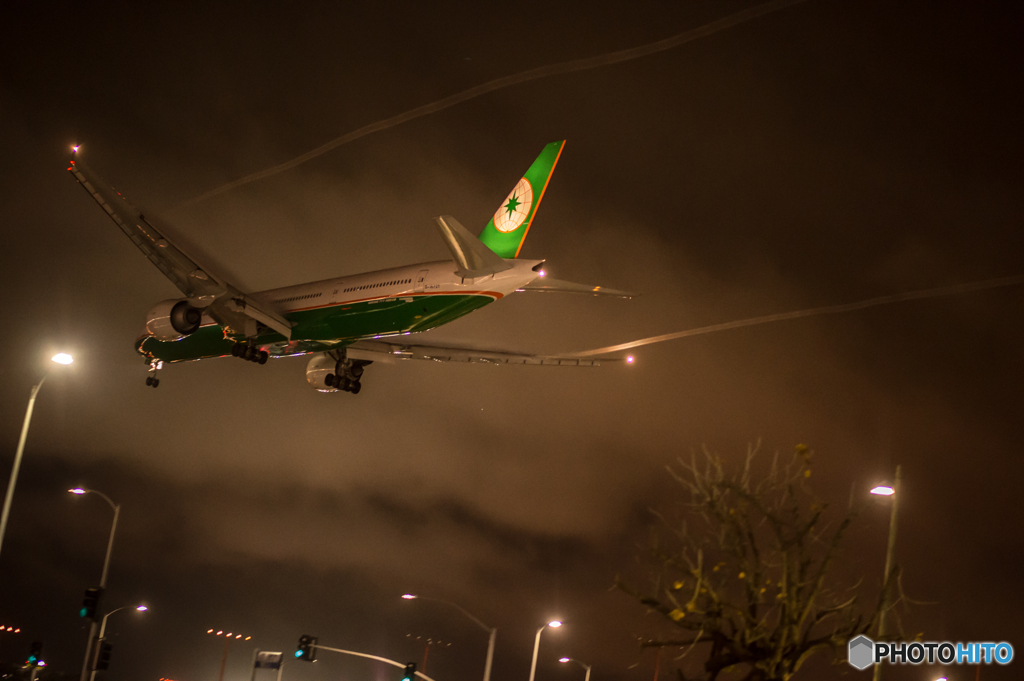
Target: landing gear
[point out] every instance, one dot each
(347, 373)
(343, 383)
(250, 352)
(154, 366)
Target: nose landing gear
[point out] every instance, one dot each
(153, 379)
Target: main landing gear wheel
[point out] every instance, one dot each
(343, 383)
(250, 353)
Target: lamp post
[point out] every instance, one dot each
(563, 660)
(890, 551)
(554, 624)
(103, 630)
(228, 638)
(80, 491)
(59, 358)
(492, 631)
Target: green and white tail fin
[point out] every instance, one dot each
(506, 231)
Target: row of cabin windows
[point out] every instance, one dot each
(378, 284)
(308, 295)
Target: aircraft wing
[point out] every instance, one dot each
(380, 350)
(204, 289)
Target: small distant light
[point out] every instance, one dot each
(229, 634)
(142, 608)
(239, 636)
(298, 653)
(554, 624)
(248, 637)
(220, 632)
(17, 631)
(63, 358)
(209, 631)
(77, 490)
(883, 490)
(74, 148)
(629, 360)
(542, 273)
(408, 597)
(563, 660)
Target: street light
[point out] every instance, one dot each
(564, 660)
(59, 358)
(890, 550)
(228, 638)
(103, 630)
(492, 631)
(81, 491)
(554, 624)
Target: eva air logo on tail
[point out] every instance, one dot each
(515, 208)
(505, 232)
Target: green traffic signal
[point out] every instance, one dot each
(90, 603)
(307, 648)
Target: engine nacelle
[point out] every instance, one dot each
(319, 368)
(172, 320)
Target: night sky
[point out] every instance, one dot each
(825, 153)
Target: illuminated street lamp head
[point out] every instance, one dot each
(62, 358)
(883, 491)
(554, 624)
(409, 597)
(77, 490)
(142, 608)
(74, 147)
(563, 660)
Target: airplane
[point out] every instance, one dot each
(348, 322)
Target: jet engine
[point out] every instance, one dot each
(172, 320)
(319, 368)
(332, 371)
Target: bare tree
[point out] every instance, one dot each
(745, 572)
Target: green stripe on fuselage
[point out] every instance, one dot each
(330, 326)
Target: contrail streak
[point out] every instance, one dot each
(813, 312)
(507, 81)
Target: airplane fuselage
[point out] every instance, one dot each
(334, 313)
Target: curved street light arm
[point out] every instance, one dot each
(105, 498)
(372, 657)
(460, 609)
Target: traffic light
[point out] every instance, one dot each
(35, 655)
(307, 648)
(102, 659)
(90, 603)
(409, 674)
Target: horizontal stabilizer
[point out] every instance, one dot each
(550, 285)
(473, 258)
